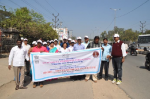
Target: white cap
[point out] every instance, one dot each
(47, 40)
(39, 41)
(79, 38)
(116, 35)
(51, 41)
(86, 36)
(44, 43)
(21, 38)
(25, 39)
(56, 40)
(72, 41)
(64, 37)
(69, 39)
(34, 42)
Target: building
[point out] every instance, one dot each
(62, 32)
(8, 38)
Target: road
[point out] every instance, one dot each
(136, 79)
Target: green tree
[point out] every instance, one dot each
(30, 24)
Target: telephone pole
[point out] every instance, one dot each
(55, 21)
(142, 26)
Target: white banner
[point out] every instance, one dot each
(54, 65)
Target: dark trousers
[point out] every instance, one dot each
(27, 67)
(104, 65)
(36, 83)
(117, 66)
(78, 77)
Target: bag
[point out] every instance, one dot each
(31, 73)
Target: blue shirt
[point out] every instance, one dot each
(107, 51)
(63, 43)
(85, 44)
(47, 48)
(78, 47)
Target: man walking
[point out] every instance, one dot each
(94, 44)
(18, 54)
(57, 45)
(71, 46)
(39, 48)
(64, 41)
(27, 47)
(105, 58)
(118, 57)
(86, 41)
(78, 46)
(69, 41)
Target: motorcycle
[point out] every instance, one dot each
(133, 50)
(147, 62)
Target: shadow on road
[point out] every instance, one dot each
(142, 67)
(57, 81)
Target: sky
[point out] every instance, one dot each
(89, 17)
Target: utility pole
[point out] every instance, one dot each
(142, 26)
(115, 17)
(55, 21)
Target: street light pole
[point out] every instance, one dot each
(115, 17)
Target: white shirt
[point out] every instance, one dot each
(126, 46)
(64, 50)
(27, 47)
(123, 49)
(70, 48)
(22, 43)
(18, 55)
(58, 47)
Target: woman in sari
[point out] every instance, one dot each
(52, 48)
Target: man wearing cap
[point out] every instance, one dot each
(118, 57)
(57, 45)
(71, 46)
(78, 46)
(64, 41)
(48, 43)
(69, 41)
(39, 48)
(94, 44)
(86, 41)
(27, 47)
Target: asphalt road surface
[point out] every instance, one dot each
(136, 79)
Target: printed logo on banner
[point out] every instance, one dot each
(36, 57)
(65, 55)
(95, 54)
(36, 61)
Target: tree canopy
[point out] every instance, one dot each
(28, 22)
(125, 35)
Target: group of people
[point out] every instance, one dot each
(20, 56)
